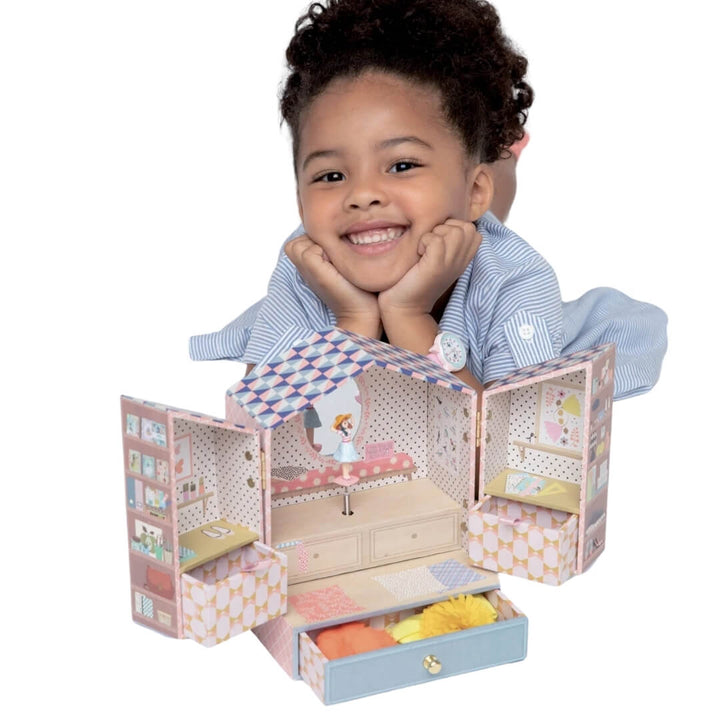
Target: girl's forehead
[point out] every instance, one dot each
(373, 101)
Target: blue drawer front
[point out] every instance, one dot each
(402, 665)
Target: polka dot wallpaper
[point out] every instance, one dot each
(228, 463)
(512, 416)
(497, 423)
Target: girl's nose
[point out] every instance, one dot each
(364, 194)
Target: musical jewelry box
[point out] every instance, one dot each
(343, 488)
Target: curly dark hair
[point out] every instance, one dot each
(456, 46)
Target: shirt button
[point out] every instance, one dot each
(526, 332)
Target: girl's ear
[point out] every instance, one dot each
(480, 191)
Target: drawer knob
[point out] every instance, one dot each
(432, 664)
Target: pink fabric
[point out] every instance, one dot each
(318, 605)
(364, 469)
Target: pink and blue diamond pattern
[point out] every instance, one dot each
(288, 384)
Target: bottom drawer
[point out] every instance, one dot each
(373, 672)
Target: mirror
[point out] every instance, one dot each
(320, 419)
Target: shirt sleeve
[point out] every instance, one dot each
(290, 312)
(638, 329)
(228, 343)
(526, 327)
(267, 327)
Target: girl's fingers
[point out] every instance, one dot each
(302, 250)
(425, 241)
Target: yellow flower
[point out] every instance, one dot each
(460, 613)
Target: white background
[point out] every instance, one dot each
(145, 188)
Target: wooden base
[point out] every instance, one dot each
(387, 524)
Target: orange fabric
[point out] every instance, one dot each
(351, 639)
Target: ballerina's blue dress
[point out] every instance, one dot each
(345, 451)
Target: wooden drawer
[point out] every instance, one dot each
(318, 558)
(402, 665)
(414, 538)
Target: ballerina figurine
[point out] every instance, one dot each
(345, 454)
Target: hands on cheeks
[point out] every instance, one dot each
(444, 253)
(354, 309)
(406, 308)
(403, 310)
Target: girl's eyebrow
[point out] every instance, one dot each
(383, 145)
(319, 154)
(391, 142)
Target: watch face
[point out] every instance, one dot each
(453, 350)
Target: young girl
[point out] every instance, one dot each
(402, 114)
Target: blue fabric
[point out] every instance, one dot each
(638, 329)
(506, 306)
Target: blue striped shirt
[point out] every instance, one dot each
(506, 306)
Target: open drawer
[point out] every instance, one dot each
(238, 591)
(415, 662)
(522, 539)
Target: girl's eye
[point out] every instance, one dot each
(403, 166)
(330, 177)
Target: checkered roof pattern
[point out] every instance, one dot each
(288, 384)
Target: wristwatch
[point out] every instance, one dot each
(449, 352)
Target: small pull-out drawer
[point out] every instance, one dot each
(524, 540)
(415, 662)
(318, 558)
(415, 538)
(238, 591)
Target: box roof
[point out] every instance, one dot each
(565, 362)
(276, 391)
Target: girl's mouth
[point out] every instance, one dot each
(376, 239)
(376, 235)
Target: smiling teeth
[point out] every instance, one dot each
(375, 236)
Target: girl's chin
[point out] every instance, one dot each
(378, 279)
(375, 287)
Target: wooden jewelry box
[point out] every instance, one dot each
(250, 522)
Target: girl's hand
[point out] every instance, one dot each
(354, 309)
(445, 253)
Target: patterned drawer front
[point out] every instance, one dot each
(316, 559)
(524, 540)
(238, 591)
(401, 665)
(413, 539)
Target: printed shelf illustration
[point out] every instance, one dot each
(561, 416)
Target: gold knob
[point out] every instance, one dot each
(432, 664)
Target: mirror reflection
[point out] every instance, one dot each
(333, 419)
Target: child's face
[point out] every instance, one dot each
(377, 169)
